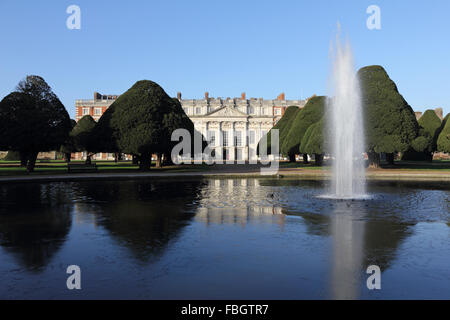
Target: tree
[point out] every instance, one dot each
(423, 147)
(82, 136)
(431, 124)
(104, 137)
(390, 122)
(177, 119)
(68, 146)
(310, 114)
(33, 120)
(12, 156)
(141, 121)
(313, 141)
(283, 125)
(443, 142)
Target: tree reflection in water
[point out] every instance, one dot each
(34, 222)
(143, 216)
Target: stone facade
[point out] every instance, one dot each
(234, 126)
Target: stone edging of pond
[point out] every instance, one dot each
(419, 176)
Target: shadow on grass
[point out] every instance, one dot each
(418, 165)
(11, 168)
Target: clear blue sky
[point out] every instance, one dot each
(224, 47)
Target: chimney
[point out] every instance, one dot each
(206, 95)
(418, 115)
(179, 96)
(243, 96)
(97, 96)
(281, 97)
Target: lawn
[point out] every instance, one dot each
(51, 167)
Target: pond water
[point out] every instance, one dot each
(223, 239)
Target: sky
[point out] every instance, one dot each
(228, 47)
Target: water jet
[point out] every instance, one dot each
(346, 122)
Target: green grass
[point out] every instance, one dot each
(13, 168)
(55, 167)
(10, 168)
(301, 165)
(436, 165)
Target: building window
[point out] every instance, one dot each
(85, 111)
(251, 110)
(198, 110)
(211, 138)
(238, 138)
(225, 138)
(98, 111)
(239, 155)
(252, 137)
(277, 111)
(263, 111)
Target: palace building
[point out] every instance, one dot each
(233, 126)
(94, 108)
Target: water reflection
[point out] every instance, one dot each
(348, 229)
(143, 216)
(365, 233)
(34, 222)
(238, 201)
(221, 238)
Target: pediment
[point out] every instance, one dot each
(227, 112)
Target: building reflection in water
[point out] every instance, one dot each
(238, 201)
(347, 228)
(82, 215)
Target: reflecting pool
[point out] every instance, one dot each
(223, 239)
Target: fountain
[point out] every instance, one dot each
(346, 124)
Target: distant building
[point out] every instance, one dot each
(233, 125)
(439, 112)
(94, 108)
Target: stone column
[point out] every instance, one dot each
(246, 152)
(205, 130)
(232, 144)
(219, 141)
